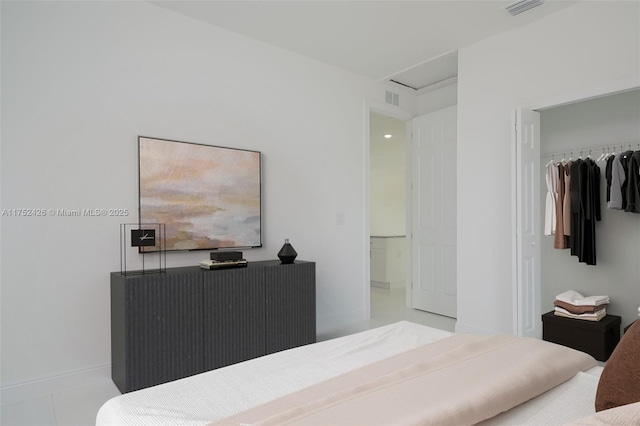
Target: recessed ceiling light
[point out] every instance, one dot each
(387, 136)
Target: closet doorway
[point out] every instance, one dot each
(579, 126)
(590, 129)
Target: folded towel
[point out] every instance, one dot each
(574, 298)
(601, 312)
(578, 309)
(589, 317)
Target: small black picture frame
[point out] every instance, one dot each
(143, 237)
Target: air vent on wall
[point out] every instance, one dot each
(392, 98)
(522, 6)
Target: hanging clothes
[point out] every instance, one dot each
(560, 240)
(609, 175)
(575, 209)
(618, 177)
(585, 209)
(633, 183)
(626, 156)
(573, 199)
(551, 200)
(590, 204)
(566, 208)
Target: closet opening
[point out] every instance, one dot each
(602, 257)
(565, 125)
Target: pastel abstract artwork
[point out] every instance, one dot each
(207, 196)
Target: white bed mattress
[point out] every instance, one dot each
(214, 395)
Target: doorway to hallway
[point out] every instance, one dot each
(388, 182)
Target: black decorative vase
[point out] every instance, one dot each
(287, 254)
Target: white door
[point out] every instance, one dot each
(433, 212)
(526, 293)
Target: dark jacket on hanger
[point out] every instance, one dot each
(575, 240)
(585, 209)
(609, 175)
(624, 160)
(590, 203)
(633, 183)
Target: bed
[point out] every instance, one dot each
(403, 373)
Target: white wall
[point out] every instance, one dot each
(80, 81)
(580, 47)
(437, 99)
(596, 122)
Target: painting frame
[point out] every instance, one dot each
(208, 196)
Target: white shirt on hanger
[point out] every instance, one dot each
(551, 200)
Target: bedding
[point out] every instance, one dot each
(622, 415)
(217, 395)
(459, 380)
(559, 406)
(207, 397)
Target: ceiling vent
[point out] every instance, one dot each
(392, 98)
(522, 6)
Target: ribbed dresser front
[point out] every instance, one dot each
(166, 326)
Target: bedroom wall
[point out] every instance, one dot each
(558, 55)
(437, 99)
(80, 81)
(607, 120)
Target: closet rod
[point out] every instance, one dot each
(584, 151)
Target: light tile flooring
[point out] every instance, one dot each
(388, 306)
(79, 407)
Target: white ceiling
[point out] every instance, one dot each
(411, 42)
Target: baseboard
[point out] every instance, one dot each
(381, 284)
(17, 392)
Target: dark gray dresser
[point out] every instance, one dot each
(185, 321)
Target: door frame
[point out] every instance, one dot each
(398, 114)
(584, 94)
(525, 298)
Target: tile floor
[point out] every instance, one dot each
(79, 407)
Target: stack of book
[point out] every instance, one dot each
(218, 264)
(572, 304)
